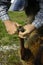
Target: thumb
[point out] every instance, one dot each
(24, 33)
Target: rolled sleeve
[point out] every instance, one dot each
(38, 22)
(3, 13)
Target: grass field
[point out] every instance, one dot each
(5, 38)
(9, 40)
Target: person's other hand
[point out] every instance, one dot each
(28, 29)
(11, 27)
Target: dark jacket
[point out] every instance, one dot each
(5, 2)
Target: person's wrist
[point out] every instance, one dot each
(32, 28)
(7, 22)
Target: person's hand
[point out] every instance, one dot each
(28, 29)
(11, 27)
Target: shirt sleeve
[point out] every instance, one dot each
(38, 22)
(3, 13)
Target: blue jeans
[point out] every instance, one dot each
(17, 5)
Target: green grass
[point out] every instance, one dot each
(19, 17)
(5, 38)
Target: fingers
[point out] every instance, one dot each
(22, 35)
(9, 32)
(16, 24)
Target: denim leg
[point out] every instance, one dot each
(17, 5)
